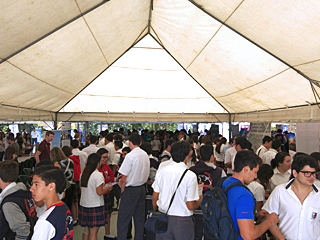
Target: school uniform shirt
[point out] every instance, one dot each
(219, 156)
(296, 221)
(278, 178)
(90, 149)
(55, 224)
(268, 156)
(83, 157)
(261, 150)
(136, 167)
(165, 184)
(89, 197)
(258, 191)
(229, 157)
(116, 157)
(111, 152)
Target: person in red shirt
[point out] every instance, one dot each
(108, 178)
(43, 152)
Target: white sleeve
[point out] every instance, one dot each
(125, 166)
(273, 202)
(98, 179)
(192, 191)
(43, 230)
(227, 157)
(260, 193)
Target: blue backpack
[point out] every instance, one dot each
(217, 221)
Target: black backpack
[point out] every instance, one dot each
(217, 221)
(164, 158)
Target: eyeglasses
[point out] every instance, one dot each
(308, 173)
(105, 157)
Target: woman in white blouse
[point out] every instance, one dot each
(281, 165)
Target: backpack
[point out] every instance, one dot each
(217, 221)
(164, 158)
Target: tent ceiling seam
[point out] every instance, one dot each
(254, 84)
(158, 40)
(53, 31)
(188, 72)
(150, 15)
(213, 34)
(135, 41)
(25, 108)
(92, 33)
(256, 44)
(39, 79)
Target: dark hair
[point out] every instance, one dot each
(264, 174)
(266, 139)
(10, 137)
(102, 151)
(56, 154)
(179, 151)
(169, 142)
(8, 154)
(276, 143)
(66, 150)
(9, 171)
(300, 160)
(103, 133)
(74, 143)
(91, 166)
(245, 158)
(110, 137)
(118, 137)
(118, 144)
(135, 139)
(279, 158)
(44, 162)
(206, 152)
(218, 147)
(315, 155)
(93, 139)
(50, 174)
(242, 141)
(195, 138)
(126, 149)
(49, 133)
(146, 146)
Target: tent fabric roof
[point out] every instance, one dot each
(255, 60)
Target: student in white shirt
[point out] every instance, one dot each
(266, 145)
(92, 213)
(297, 203)
(281, 165)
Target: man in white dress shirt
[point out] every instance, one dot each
(297, 203)
(272, 152)
(92, 148)
(266, 145)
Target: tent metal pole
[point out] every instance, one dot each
(55, 122)
(230, 127)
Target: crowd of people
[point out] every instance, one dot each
(82, 184)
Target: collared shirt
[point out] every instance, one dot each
(101, 143)
(83, 157)
(296, 221)
(2, 194)
(268, 156)
(34, 134)
(136, 166)
(44, 148)
(261, 150)
(111, 152)
(210, 164)
(90, 149)
(165, 184)
(229, 157)
(279, 178)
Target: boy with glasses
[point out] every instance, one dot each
(297, 202)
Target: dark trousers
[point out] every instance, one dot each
(132, 204)
(179, 228)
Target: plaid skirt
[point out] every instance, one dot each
(92, 217)
(107, 203)
(77, 193)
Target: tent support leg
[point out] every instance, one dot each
(230, 127)
(55, 122)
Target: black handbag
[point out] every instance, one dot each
(157, 222)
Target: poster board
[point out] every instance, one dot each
(257, 132)
(307, 137)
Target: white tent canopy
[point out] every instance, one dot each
(160, 60)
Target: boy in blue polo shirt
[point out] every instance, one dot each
(241, 201)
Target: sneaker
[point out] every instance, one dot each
(109, 237)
